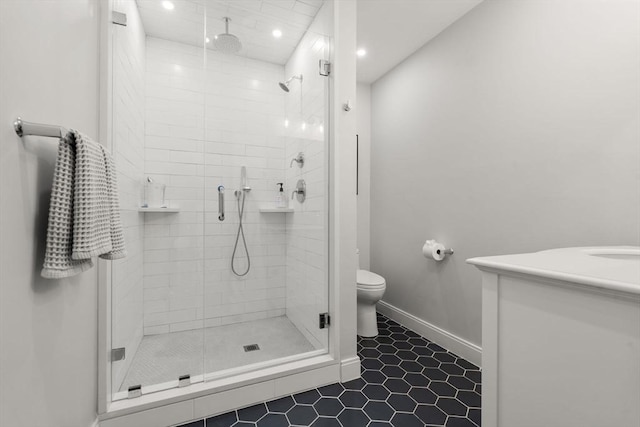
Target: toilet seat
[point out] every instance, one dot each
(368, 280)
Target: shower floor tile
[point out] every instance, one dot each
(164, 357)
(406, 381)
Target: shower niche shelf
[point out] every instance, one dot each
(159, 210)
(276, 210)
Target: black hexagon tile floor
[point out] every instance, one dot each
(406, 381)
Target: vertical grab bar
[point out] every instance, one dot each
(221, 202)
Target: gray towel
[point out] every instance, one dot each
(84, 214)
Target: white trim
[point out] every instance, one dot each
(451, 342)
(104, 267)
(239, 372)
(95, 423)
(203, 404)
(211, 388)
(349, 369)
(342, 179)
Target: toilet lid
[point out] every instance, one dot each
(367, 278)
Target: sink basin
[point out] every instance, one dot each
(615, 253)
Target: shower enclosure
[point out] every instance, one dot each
(219, 280)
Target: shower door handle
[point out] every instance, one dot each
(221, 202)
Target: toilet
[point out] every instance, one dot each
(371, 288)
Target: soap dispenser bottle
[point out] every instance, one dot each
(281, 200)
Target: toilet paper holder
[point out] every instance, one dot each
(434, 250)
(448, 251)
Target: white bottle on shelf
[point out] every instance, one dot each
(281, 201)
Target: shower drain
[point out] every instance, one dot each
(251, 347)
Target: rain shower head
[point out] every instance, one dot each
(285, 85)
(225, 42)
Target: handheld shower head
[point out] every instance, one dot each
(285, 85)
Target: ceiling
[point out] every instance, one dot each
(251, 20)
(391, 30)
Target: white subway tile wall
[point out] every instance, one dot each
(128, 152)
(206, 117)
(174, 147)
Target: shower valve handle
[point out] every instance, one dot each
(300, 191)
(299, 159)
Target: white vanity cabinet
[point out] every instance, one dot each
(561, 338)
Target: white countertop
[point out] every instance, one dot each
(611, 267)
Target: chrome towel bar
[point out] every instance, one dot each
(23, 128)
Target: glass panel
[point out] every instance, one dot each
(266, 272)
(158, 128)
(308, 228)
(197, 294)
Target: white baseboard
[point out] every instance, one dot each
(349, 369)
(95, 423)
(445, 339)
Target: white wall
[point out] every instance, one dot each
(307, 227)
(128, 152)
(515, 130)
(48, 328)
(343, 212)
(363, 128)
(202, 125)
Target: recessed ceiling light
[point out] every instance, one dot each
(361, 52)
(277, 33)
(168, 5)
(208, 40)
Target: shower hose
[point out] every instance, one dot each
(240, 233)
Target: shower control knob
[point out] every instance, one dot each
(301, 191)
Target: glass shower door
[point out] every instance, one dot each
(266, 267)
(307, 228)
(158, 109)
(220, 279)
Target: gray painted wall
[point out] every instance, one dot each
(48, 328)
(517, 129)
